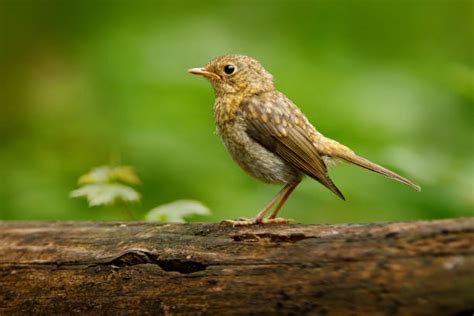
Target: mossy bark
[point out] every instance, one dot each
(412, 268)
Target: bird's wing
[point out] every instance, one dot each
(279, 126)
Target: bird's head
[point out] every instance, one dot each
(236, 74)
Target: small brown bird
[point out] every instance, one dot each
(268, 135)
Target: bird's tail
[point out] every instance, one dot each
(364, 163)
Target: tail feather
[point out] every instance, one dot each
(364, 163)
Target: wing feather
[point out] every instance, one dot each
(271, 122)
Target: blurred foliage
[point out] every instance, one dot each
(101, 186)
(112, 185)
(177, 211)
(87, 82)
(101, 174)
(106, 193)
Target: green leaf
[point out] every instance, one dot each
(176, 211)
(106, 193)
(104, 174)
(124, 174)
(96, 175)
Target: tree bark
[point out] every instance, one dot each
(411, 268)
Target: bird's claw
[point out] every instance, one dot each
(239, 222)
(279, 221)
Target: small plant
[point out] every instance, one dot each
(176, 211)
(107, 185)
(113, 185)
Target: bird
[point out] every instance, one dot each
(269, 137)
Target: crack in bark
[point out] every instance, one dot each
(137, 257)
(134, 257)
(466, 312)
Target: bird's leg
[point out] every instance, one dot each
(284, 193)
(290, 188)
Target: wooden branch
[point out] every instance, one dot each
(414, 268)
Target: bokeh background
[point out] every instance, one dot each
(88, 83)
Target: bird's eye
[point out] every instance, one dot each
(229, 69)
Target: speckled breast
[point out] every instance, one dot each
(254, 158)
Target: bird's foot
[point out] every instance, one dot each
(254, 221)
(279, 221)
(242, 221)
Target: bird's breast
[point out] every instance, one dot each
(252, 157)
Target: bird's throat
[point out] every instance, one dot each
(226, 106)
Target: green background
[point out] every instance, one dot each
(88, 83)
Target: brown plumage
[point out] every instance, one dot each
(268, 135)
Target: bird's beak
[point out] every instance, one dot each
(203, 72)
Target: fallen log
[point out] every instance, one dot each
(406, 268)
